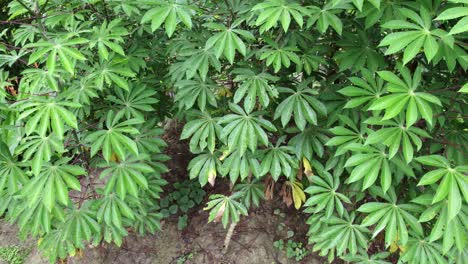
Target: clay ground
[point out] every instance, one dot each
(200, 242)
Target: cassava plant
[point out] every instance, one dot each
(352, 110)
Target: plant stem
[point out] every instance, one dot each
(228, 237)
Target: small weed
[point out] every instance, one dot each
(186, 195)
(184, 258)
(13, 254)
(293, 249)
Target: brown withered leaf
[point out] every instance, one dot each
(269, 188)
(286, 194)
(220, 213)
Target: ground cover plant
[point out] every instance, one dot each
(352, 111)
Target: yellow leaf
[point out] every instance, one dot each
(307, 167)
(39, 241)
(393, 247)
(71, 251)
(224, 92)
(298, 194)
(402, 249)
(225, 154)
(114, 157)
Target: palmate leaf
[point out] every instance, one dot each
(346, 136)
(155, 188)
(157, 163)
(310, 61)
(127, 175)
(420, 251)
(190, 91)
(252, 193)
(302, 104)
(273, 11)
(243, 130)
(456, 12)
(403, 97)
(81, 92)
(204, 130)
(364, 258)
(11, 57)
(324, 195)
(325, 17)
(453, 56)
(114, 234)
(147, 220)
(315, 223)
(204, 167)
(35, 219)
(227, 41)
(394, 134)
(38, 81)
(111, 211)
(358, 51)
(199, 62)
(25, 34)
(279, 56)
(453, 182)
(452, 231)
(64, 48)
(12, 175)
(254, 86)
(308, 142)
(279, 161)
(340, 235)
(393, 218)
(135, 102)
(111, 72)
(108, 36)
(420, 36)
(53, 184)
(42, 148)
(236, 165)
(456, 135)
(369, 164)
(227, 208)
(55, 246)
(363, 90)
(112, 139)
(149, 139)
(360, 3)
(47, 114)
(80, 226)
(171, 13)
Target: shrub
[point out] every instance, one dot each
(355, 110)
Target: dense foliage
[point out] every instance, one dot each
(352, 110)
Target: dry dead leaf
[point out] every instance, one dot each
(220, 213)
(270, 186)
